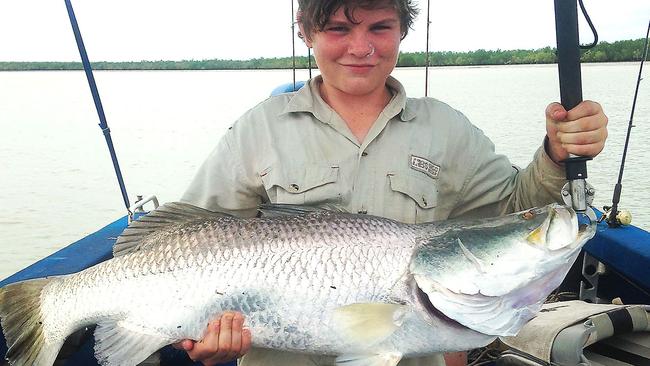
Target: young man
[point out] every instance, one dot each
(351, 137)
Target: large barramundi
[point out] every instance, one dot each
(358, 287)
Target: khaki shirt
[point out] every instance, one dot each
(421, 161)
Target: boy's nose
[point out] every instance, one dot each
(360, 46)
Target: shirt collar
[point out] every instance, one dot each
(308, 99)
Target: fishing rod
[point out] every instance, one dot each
(98, 103)
(309, 61)
(615, 218)
(426, 65)
(576, 192)
(293, 46)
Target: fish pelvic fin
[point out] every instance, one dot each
(166, 216)
(118, 343)
(382, 359)
(369, 323)
(22, 324)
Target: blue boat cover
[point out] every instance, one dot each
(625, 249)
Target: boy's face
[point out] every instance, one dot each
(356, 59)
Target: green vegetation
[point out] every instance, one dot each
(630, 50)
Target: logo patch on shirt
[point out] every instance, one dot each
(425, 166)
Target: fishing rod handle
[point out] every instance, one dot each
(568, 52)
(568, 55)
(568, 60)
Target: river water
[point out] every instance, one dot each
(57, 183)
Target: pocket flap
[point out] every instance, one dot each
(299, 179)
(423, 191)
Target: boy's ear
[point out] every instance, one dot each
(302, 34)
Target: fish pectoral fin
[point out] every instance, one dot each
(369, 323)
(382, 359)
(119, 343)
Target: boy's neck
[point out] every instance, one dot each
(358, 111)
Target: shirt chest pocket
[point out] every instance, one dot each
(305, 185)
(415, 197)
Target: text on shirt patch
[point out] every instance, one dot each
(425, 166)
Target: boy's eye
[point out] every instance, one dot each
(336, 29)
(381, 27)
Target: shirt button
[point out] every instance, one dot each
(364, 154)
(294, 186)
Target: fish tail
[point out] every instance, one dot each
(22, 324)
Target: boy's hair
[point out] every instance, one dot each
(314, 14)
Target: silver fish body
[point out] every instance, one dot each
(315, 282)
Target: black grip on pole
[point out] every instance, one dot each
(568, 61)
(568, 52)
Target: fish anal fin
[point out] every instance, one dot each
(382, 359)
(369, 323)
(119, 343)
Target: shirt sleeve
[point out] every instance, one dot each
(494, 186)
(222, 184)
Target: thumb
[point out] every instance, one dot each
(556, 112)
(186, 345)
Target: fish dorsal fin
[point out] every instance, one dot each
(281, 209)
(118, 343)
(166, 216)
(382, 359)
(369, 323)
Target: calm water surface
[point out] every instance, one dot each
(57, 183)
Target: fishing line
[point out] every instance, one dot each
(591, 25)
(611, 216)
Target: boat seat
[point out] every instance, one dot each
(576, 333)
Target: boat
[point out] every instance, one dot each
(614, 265)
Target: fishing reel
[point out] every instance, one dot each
(616, 218)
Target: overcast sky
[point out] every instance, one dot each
(132, 30)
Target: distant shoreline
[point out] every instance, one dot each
(619, 51)
(297, 68)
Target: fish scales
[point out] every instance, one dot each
(298, 251)
(294, 277)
